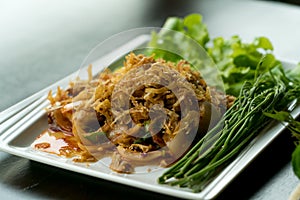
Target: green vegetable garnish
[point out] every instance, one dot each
(250, 72)
(191, 25)
(239, 61)
(294, 127)
(242, 122)
(294, 74)
(296, 161)
(174, 35)
(236, 60)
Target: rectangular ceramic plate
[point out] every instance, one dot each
(18, 131)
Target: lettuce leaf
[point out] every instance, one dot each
(191, 25)
(237, 61)
(240, 61)
(173, 37)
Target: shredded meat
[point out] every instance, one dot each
(147, 107)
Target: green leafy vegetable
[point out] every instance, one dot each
(263, 42)
(237, 61)
(294, 74)
(240, 61)
(191, 25)
(294, 127)
(174, 35)
(296, 161)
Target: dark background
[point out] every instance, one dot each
(296, 2)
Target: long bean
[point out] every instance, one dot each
(242, 122)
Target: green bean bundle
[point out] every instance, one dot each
(240, 124)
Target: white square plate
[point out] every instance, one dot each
(23, 122)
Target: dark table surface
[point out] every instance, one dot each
(43, 41)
